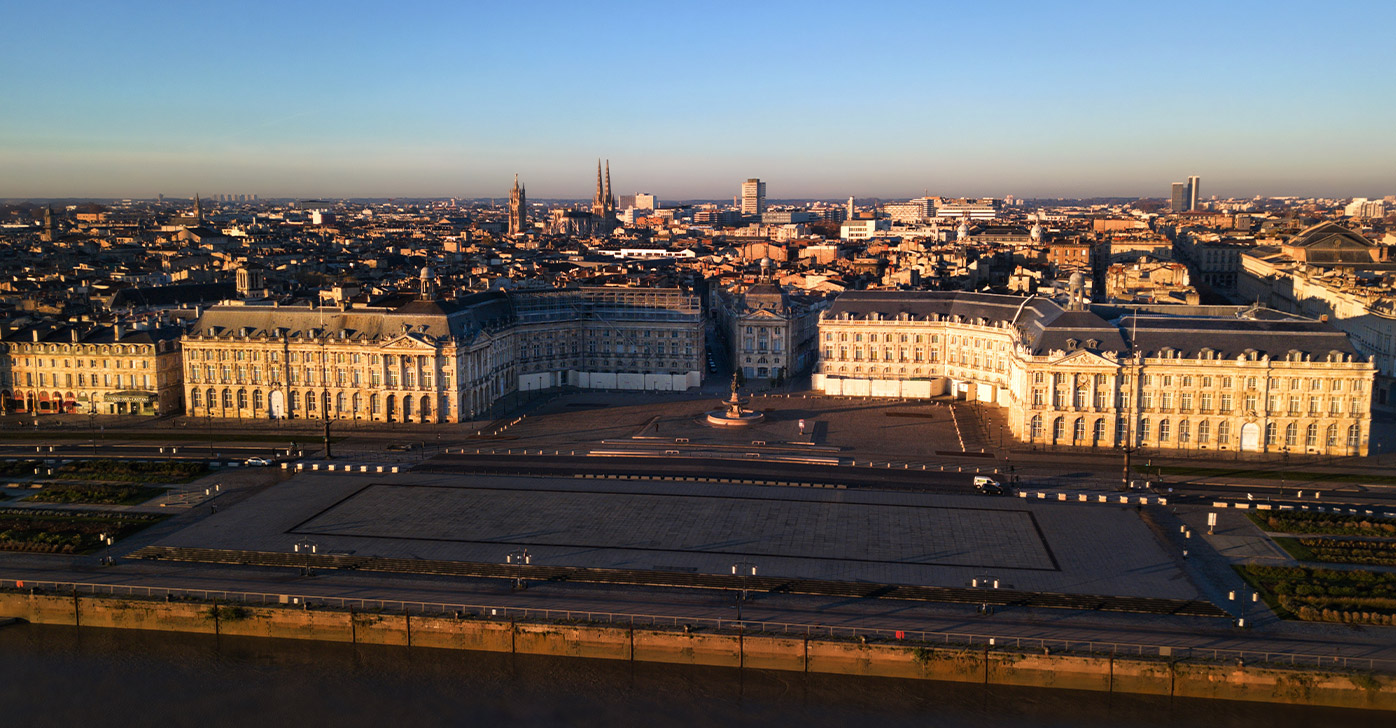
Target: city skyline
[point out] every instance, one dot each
(818, 100)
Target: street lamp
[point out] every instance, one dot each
(521, 557)
(106, 540)
(987, 583)
(306, 546)
(745, 570)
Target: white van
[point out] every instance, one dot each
(987, 486)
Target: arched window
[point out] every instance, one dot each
(406, 406)
(426, 406)
(1331, 436)
(373, 403)
(256, 399)
(325, 400)
(1035, 427)
(1223, 433)
(1204, 432)
(1311, 435)
(354, 403)
(1184, 432)
(339, 402)
(194, 399)
(1098, 432)
(211, 398)
(242, 399)
(1291, 435)
(1058, 429)
(227, 399)
(1143, 429)
(295, 401)
(1271, 432)
(1354, 436)
(1165, 431)
(1078, 430)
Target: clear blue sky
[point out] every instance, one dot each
(687, 99)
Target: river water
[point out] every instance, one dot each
(64, 676)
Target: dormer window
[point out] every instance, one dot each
(1092, 343)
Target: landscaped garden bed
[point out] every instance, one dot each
(131, 472)
(1326, 595)
(1333, 524)
(66, 532)
(95, 493)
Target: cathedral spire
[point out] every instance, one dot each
(610, 201)
(198, 210)
(596, 199)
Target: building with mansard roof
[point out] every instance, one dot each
(1218, 378)
(107, 370)
(422, 359)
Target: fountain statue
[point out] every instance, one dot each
(733, 415)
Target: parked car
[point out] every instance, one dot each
(988, 486)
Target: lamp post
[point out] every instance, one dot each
(987, 583)
(520, 557)
(106, 540)
(745, 570)
(306, 546)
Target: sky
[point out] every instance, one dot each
(687, 99)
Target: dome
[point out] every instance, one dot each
(427, 274)
(1077, 280)
(1036, 232)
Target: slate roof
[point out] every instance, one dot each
(460, 319)
(1046, 326)
(1233, 337)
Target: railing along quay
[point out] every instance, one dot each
(929, 638)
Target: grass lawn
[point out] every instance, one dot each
(1285, 475)
(307, 437)
(132, 472)
(10, 469)
(95, 493)
(66, 532)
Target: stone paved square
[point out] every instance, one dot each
(751, 526)
(886, 537)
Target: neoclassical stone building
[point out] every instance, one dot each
(106, 370)
(418, 359)
(1171, 377)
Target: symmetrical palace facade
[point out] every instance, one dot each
(425, 360)
(1176, 377)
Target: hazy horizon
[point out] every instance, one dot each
(819, 100)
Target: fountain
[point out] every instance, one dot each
(733, 415)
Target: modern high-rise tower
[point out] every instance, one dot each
(1179, 202)
(518, 209)
(753, 197)
(1185, 195)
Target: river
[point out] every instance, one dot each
(70, 677)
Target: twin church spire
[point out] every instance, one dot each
(603, 203)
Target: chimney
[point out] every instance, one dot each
(35, 332)
(75, 335)
(116, 332)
